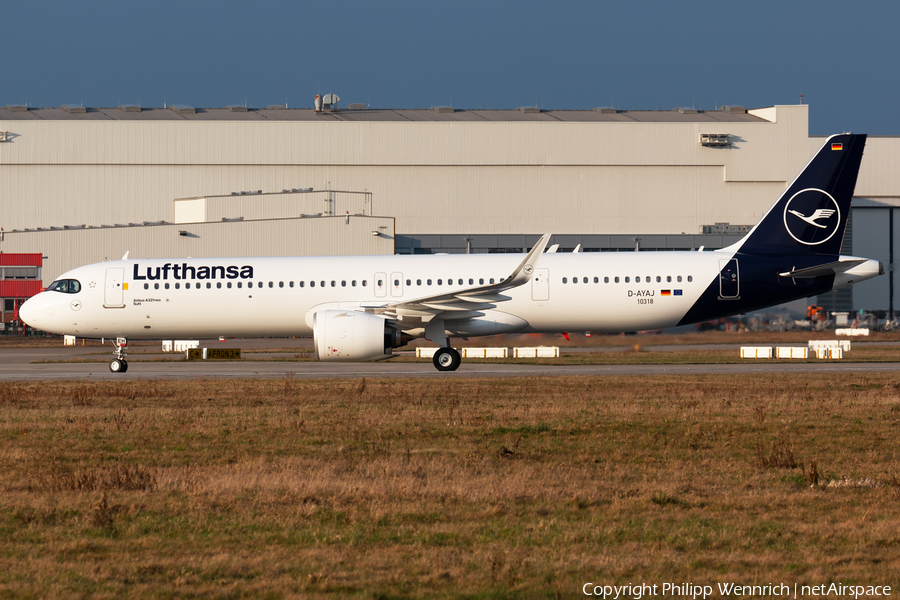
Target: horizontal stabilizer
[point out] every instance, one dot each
(832, 268)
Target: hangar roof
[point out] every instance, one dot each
(132, 113)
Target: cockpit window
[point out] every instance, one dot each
(66, 286)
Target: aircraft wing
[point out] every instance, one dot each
(461, 304)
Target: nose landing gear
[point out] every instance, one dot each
(118, 364)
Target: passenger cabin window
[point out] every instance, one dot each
(690, 278)
(606, 280)
(668, 279)
(617, 279)
(679, 279)
(627, 280)
(565, 280)
(471, 281)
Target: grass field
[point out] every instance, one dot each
(527, 487)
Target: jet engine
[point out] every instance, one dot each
(354, 335)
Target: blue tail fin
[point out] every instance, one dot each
(811, 215)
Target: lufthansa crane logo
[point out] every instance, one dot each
(812, 216)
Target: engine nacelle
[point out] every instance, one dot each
(354, 335)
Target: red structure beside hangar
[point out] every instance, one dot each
(20, 279)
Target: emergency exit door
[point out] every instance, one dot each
(114, 291)
(540, 285)
(380, 285)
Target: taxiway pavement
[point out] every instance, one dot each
(30, 364)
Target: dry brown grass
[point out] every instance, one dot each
(525, 487)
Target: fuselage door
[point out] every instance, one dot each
(729, 281)
(114, 291)
(396, 284)
(380, 285)
(540, 285)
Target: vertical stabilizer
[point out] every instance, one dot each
(811, 215)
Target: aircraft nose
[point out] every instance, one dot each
(28, 312)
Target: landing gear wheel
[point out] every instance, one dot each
(124, 366)
(446, 359)
(117, 366)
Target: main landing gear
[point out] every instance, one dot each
(447, 359)
(118, 364)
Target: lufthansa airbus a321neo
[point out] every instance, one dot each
(362, 307)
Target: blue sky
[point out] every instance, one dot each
(576, 55)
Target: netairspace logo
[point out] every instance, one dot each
(685, 590)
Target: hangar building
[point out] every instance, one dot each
(81, 185)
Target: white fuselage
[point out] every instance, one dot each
(598, 292)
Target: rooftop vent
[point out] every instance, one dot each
(130, 107)
(606, 111)
(274, 107)
(329, 100)
(356, 106)
(75, 110)
(686, 111)
(734, 109)
(443, 109)
(237, 108)
(17, 107)
(529, 109)
(183, 109)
